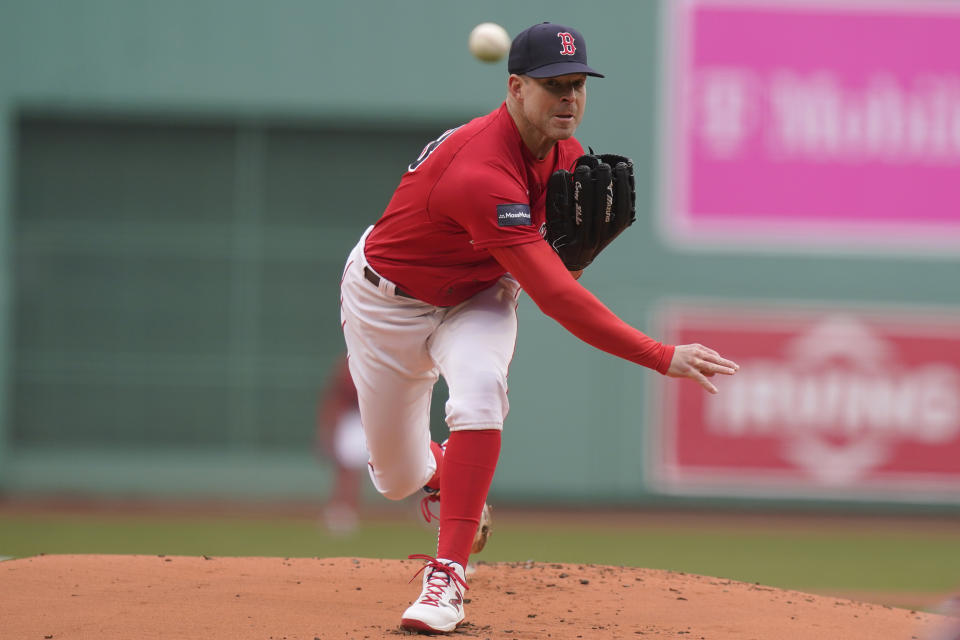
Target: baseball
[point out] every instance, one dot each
(489, 42)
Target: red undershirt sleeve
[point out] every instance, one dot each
(548, 283)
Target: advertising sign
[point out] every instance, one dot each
(812, 124)
(829, 403)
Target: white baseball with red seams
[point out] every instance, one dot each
(489, 42)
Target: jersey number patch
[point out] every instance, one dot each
(430, 148)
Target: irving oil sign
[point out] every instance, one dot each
(828, 403)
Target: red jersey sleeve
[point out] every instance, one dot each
(548, 283)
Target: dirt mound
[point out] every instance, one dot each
(111, 597)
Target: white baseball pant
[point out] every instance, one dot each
(397, 348)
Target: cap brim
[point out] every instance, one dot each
(562, 69)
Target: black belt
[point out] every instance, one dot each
(375, 280)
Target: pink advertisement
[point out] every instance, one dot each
(835, 402)
(813, 123)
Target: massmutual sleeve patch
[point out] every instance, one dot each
(513, 215)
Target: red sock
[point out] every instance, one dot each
(468, 465)
(437, 451)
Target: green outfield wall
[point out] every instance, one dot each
(180, 183)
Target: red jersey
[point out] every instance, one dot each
(475, 187)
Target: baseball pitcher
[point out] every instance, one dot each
(508, 202)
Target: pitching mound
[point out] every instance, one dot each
(185, 598)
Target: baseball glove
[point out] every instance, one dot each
(590, 207)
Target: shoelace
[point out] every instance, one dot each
(425, 511)
(433, 592)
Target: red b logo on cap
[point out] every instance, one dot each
(566, 40)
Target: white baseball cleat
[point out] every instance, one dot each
(439, 609)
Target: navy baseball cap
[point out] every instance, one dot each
(546, 50)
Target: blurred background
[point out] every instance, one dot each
(180, 184)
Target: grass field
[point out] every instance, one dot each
(903, 562)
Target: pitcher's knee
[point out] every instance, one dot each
(398, 494)
(395, 486)
(483, 402)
